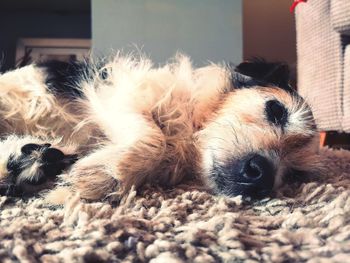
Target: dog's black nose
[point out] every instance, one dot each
(258, 175)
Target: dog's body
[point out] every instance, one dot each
(129, 124)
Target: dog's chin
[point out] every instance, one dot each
(244, 191)
(230, 186)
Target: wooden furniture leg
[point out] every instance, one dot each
(323, 138)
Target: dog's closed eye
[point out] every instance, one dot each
(276, 113)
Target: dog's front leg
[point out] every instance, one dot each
(116, 166)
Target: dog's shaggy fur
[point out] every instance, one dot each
(125, 123)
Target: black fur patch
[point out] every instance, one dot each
(51, 162)
(258, 72)
(240, 81)
(31, 147)
(63, 78)
(276, 113)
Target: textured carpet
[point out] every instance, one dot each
(309, 223)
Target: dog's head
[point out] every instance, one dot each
(262, 131)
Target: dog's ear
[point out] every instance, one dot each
(265, 73)
(62, 77)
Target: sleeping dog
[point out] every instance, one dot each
(97, 129)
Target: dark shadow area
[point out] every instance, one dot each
(40, 19)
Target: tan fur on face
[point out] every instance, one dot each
(241, 127)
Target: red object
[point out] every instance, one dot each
(295, 3)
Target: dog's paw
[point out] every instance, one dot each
(32, 168)
(93, 182)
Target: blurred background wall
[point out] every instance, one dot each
(204, 29)
(269, 31)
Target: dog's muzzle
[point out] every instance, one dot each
(252, 175)
(257, 176)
